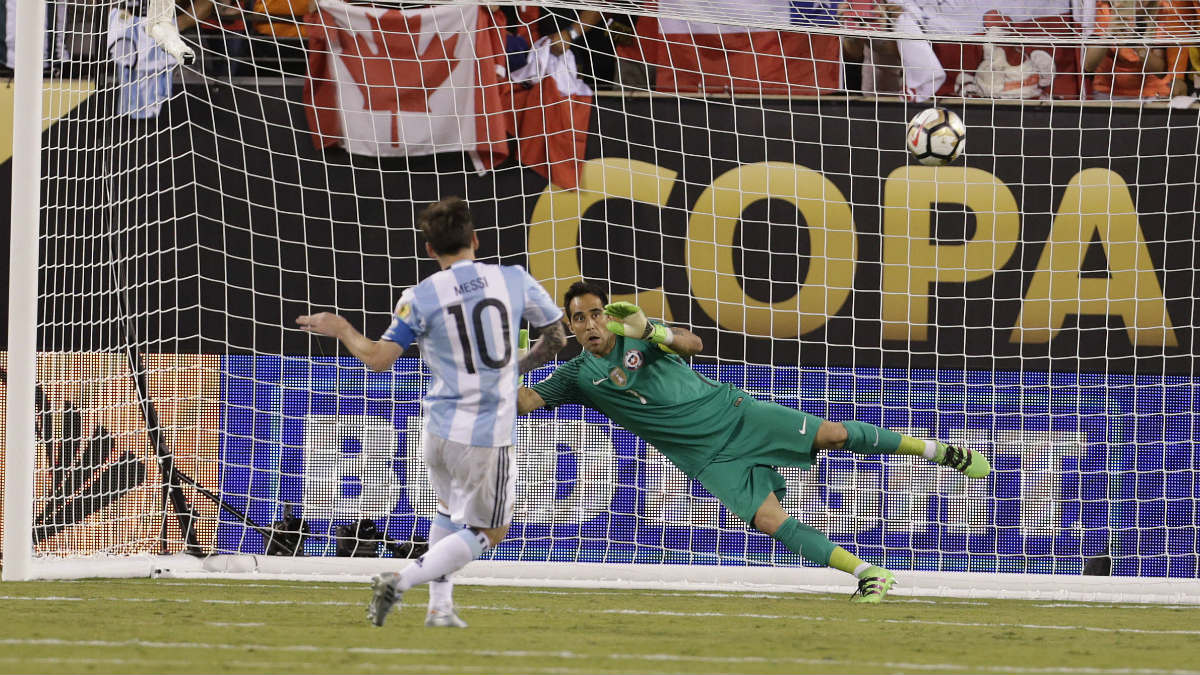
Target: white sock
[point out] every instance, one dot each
(930, 451)
(858, 571)
(441, 590)
(449, 555)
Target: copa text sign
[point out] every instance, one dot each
(798, 232)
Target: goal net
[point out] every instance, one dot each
(736, 168)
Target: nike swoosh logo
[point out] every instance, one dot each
(804, 427)
(877, 438)
(599, 381)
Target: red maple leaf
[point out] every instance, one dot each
(387, 69)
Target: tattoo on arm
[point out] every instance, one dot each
(554, 338)
(686, 343)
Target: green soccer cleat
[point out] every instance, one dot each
(444, 618)
(385, 594)
(874, 587)
(970, 464)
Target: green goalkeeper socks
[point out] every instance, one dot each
(804, 540)
(868, 439)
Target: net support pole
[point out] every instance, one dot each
(172, 490)
(20, 445)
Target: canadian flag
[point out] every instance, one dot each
(714, 57)
(387, 82)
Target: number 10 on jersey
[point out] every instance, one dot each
(479, 347)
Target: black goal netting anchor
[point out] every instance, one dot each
(172, 488)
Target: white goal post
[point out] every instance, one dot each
(1033, 300)
(23, 295)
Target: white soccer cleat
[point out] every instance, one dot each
(385, 594)
(444, 618)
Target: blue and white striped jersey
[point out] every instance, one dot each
(465, 319)
(145, 69)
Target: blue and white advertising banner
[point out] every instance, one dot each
(1086, 467)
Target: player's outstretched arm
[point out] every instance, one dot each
(684, 342)
(378, 355)
(554, 338)
(528, 400)
(628, 319)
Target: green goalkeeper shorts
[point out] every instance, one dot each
(742, 474)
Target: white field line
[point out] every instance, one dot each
(334, 586)
(61, 660)
(1034, 626)
(1096, 605)
(631, 612)
(293, 666)
(279, 666)
(320, 586)
(330, 586)
(342, 586)
(205, 601)
(962, 624)
(748, 596)
(569, 655)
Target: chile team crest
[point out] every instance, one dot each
(634, 359)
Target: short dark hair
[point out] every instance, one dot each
(583, 288)
(447, 225)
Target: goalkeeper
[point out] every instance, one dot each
(631, 370)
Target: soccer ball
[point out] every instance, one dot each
(936, 136)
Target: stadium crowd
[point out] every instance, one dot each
(268, 37)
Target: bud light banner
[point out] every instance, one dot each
(1090, 471)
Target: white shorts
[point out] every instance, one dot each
(478, 484)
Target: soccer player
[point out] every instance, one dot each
(465, 319)
(631, 370)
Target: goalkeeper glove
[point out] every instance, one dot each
(522, 350)
(631, 322)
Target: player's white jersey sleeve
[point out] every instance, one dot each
(540, 308)
(407, 322)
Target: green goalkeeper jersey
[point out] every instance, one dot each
(653, 394)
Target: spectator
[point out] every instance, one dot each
(1193, 79)
(224, 32)
(1137, 72)
(1189, 11)
(143, 67)
(233, 45)
(723, 58)
(591, 37)
(878, 58)
(55, 48)
(997, 77)
(188, 14)
(993, 70)
(281, 18)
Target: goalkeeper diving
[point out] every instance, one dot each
(632, 370)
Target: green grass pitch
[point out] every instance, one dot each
(216, 626)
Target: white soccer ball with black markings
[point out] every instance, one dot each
(936, 136)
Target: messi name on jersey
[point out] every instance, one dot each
(476, 284)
